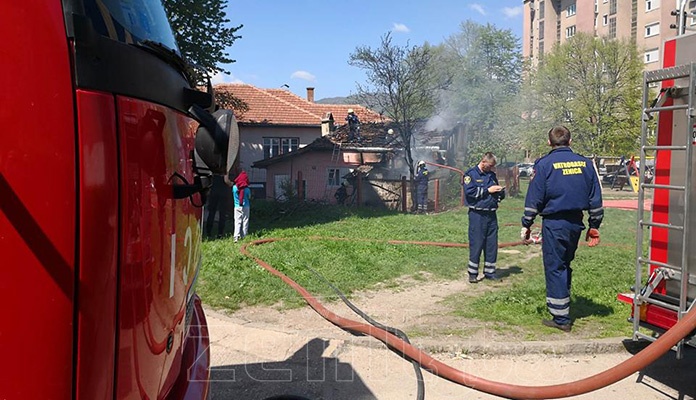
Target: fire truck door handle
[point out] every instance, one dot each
(200, 184)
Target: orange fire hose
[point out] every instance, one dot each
(639, 361)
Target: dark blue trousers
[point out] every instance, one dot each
(217, 203)
(483, 237)
(560, 239)
(422, 198)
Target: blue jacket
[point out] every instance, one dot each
(476, 184)
(235, 194)
(563, 184)
(353, 121)
(422, 179)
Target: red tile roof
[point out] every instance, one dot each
(281, 107)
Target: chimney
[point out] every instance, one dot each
(310, 94)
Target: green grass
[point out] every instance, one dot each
(364, 260)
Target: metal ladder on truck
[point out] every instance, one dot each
(665, 271)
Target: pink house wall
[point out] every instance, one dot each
(314, 167)
(251, 144)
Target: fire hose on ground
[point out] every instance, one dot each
(637, 362)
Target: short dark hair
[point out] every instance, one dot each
(559, 136)
(490, 158)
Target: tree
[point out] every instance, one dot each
(404, 81)
(199, 27)
(486, 64)
(593, 86)
(227, 100)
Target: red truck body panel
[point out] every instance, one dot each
(98, 246)
(37, 204)
(99, 258)
(156, 279)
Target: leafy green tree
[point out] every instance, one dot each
(593, 86)
(486, 64)
(201, 31)
(404, 81)
(227, 100)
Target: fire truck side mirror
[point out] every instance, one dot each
(217, 139)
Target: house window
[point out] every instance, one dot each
(541, 51)
(288, 144)
(541, 30)
(693, 17)
(612, 7)
(281, 186)
(571, 10)
(570, 31)
(541, 10)
(651, 5)
(651, 56)
(276, 146)
(652, 29)
(605, 20)
(612, 28)
(336, 176)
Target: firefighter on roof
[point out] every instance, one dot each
(563, 185)
(353, 126)
(482, 195)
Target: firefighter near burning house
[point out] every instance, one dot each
(564, 184)
(421, 179)
(482, 195)
(353, 126)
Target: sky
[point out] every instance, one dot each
(307, 43)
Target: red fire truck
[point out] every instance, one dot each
(107, 150)
(666, 293)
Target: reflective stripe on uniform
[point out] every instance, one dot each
(558, 302)
(558, 307)
(473, 268)
(564, 312)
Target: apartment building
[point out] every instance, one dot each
(646, 23)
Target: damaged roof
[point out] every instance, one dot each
(375, 139)
(281, 107)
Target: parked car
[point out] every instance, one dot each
(526, 169)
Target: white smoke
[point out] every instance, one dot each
(442, 121)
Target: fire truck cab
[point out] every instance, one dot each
(106, 154)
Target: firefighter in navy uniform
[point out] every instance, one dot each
(421, 179)
(563, 185)
(353, 126)
(482, 194)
